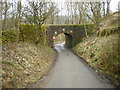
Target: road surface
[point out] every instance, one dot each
(70, 72)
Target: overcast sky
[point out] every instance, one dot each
(113, 4)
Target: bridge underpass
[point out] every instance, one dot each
(73, 33)
(69, 70)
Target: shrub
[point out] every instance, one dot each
(8, 36)
(28, 33)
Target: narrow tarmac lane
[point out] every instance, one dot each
(70, 72)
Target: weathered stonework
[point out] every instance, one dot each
(73, 33)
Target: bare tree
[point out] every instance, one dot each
(104, 9)
(5, 13)
(108, 7)
(80, 12)
(36, 13)
(68, 13)
(93, 11)
(119, 6)
(51, 19)
(19, 6)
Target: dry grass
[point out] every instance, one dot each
(109, 25)
(25, 65)
(102, 53)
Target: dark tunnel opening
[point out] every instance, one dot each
(68, 40)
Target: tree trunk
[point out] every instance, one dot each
(5, 16)
(108, 7)
(18, 23)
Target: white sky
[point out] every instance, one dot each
(113, 4)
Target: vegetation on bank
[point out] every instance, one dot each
(101, 51)
(29, 61)
(24, 44)
(102, 54)
(27, 33)
(25, 65)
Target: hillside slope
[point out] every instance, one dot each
(25, 65)
(101, 51)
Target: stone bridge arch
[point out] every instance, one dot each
(73, 33)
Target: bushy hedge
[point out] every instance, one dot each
(8, 36)
(28, 33)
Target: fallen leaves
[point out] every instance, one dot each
(102, 54)
(26, 65)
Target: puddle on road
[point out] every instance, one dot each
(60, 47)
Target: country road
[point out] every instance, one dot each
(70, 72)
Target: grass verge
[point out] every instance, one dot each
(25, 65)
(102, 53)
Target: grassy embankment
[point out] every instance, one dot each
(27, 63)
(101, 50)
